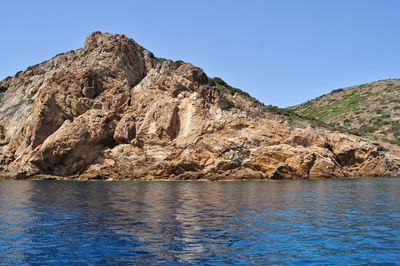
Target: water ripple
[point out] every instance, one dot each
(187, 223)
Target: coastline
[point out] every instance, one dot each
(42, 177)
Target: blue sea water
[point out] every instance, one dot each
(309, 222)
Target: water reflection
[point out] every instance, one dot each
(322, 221)
(15, 217)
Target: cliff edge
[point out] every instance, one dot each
(113, 110)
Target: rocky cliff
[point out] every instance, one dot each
(113, 110)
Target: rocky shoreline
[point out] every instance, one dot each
(112, 110)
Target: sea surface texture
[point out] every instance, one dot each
(346, 222)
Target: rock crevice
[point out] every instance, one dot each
(113, 110)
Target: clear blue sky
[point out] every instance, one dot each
(283, 51)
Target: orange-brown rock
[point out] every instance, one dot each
(113, 110)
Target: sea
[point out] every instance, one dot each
(281, 222)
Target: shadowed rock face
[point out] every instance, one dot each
(113, 110)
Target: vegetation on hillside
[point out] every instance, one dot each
(371, 110)
(290, 116)
(220, 85)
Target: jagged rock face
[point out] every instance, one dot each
(113, 110)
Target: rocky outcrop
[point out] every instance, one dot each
(113, 110)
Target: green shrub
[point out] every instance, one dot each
(40, 72)
(160, 59)
(222, 86)
(337, 90)
(83, 54)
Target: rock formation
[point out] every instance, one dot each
(113, 110)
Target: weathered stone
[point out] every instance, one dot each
(111, 110)
(126, 129)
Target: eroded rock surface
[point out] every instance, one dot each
(113, 110)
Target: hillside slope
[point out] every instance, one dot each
(112, 110)
(371, 110)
